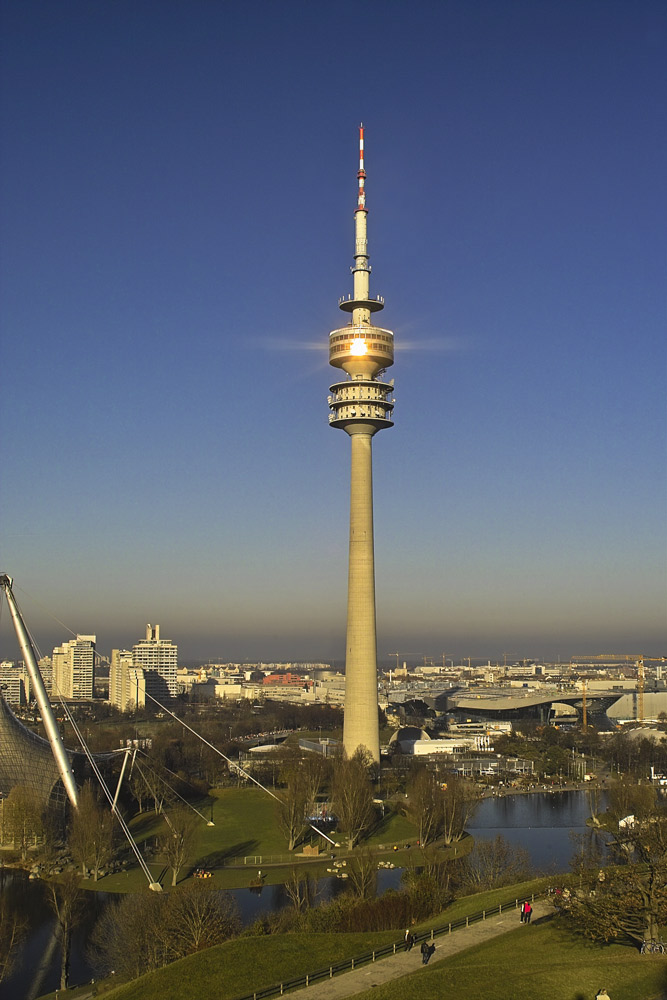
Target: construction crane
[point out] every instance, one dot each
(606, 658)
(636, 658)
(584, 704)
(397, 655)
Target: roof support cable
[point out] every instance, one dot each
(239, 770)
(152, 884)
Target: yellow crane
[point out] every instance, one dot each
(636, 658)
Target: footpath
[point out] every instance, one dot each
(404, 963)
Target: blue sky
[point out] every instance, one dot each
(177, 192)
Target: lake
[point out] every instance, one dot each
(540, 822)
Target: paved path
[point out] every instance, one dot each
(404, 963)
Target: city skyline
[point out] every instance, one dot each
(177, 203)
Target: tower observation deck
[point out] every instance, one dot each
(361, 405)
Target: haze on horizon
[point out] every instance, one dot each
(177, 229)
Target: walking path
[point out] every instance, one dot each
(404, 963)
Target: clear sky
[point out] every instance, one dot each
(178, 187)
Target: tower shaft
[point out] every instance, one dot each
(360, 725)
(361, 406)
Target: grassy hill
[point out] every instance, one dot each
(543, 960)
(546, 961)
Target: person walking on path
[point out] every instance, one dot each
(409, 940)
(522, 911)
(528, 913)
(394, 966)
(425, 954)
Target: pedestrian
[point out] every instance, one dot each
(522, 912)
(425, 954)
(529, 913)
(409, 940)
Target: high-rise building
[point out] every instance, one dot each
(127, 685)
(14, 684)
(46, 670)
(74, 668)
(361, 406)
(158, 658)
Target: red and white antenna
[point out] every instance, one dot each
(361, 201)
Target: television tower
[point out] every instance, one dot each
(361, 406)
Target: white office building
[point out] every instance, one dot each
(158, 658)
(127, 684)
(74, 668)
(14, 683)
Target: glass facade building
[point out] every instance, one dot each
(27, 759)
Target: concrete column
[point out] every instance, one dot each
(360, 726)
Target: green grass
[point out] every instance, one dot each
(547, 961)
(246, 825)
(246, 964)
(543, 960)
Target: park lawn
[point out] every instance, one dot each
(247, 964)
(543, 960)
(246, 825)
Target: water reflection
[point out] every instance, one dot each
(540, 822)
(37, 967)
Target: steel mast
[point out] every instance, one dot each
(48, 718)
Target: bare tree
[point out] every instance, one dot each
(65, 900)
(12, 931)
(362, 871)
(429, 882)
(594, 796)
(628, 899)
(494, 863)
(627, 798)
(91, 833)
(138, 787)
(131, 936)
(425, 805)
(178, 841)
(199, 918)
(460, 801)
(314, 768)
(292, 804)
(23, 818)
(299, 889)
(352, 794)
